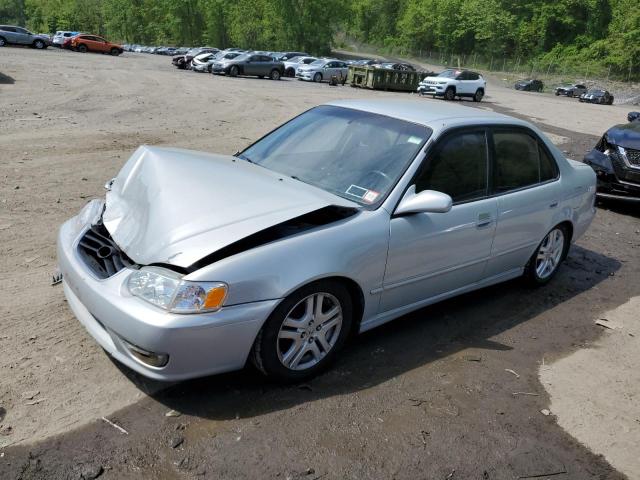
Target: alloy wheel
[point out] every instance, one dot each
(550, 253)
(309, 331)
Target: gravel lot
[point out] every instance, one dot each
(427, 396)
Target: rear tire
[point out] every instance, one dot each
(275, 74)
(3, 42)
(450, 94)
(545, 261)
(305, 332)
(82, 48)
(290, 72)
(477, 97)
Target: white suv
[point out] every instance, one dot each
(454, 83)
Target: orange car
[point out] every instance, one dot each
(92, 43)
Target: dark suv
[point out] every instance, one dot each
(616, 160)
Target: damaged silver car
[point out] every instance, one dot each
(346, 217)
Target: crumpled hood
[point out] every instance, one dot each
(626, 136)
(176, 206)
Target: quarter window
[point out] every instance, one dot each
(458, 167)
(520, 161)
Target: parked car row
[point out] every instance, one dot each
(594, 95)
(274, 65)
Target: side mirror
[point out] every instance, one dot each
(633, 116)
(427, 201)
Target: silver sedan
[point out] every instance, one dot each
(348, 216)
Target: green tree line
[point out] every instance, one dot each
(602, 32)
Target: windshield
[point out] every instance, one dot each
(354, 154)
(596, 92)
(318, 63)
(449, 73)
(242, 56)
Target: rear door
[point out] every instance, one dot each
(465, 84)
(101, 45)
(525, 184)
(252, 65)
(9, 33)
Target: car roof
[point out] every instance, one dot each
(432, 114)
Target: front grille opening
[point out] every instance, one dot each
(633, 156)
(100, 252)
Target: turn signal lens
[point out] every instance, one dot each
(215, 297)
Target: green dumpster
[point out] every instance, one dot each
(384, 78)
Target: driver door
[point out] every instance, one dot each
(432, 254)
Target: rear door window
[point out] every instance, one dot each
(519, 161)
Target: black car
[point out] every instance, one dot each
(284, 56)
(574, 90)
(529, 85)
(183, 62)
(602, 97)
(616, 160)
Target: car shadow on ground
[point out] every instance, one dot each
(6, 79)
(412, 341)
(630, 207)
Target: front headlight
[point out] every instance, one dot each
(166, 289)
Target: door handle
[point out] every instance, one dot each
(484, 219)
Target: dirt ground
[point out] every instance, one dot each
(453, 391)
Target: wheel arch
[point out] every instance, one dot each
(569, 226)
(355, 292)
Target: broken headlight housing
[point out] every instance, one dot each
(166, 289)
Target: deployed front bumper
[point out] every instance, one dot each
(196, 344)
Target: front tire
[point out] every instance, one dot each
(305, 332)
(115, 52)
(275, 74)
(82, 48)
(545, 261)
(450, 94)
(3, 42)
(233, 71)
(39, 44)
(317, 77)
